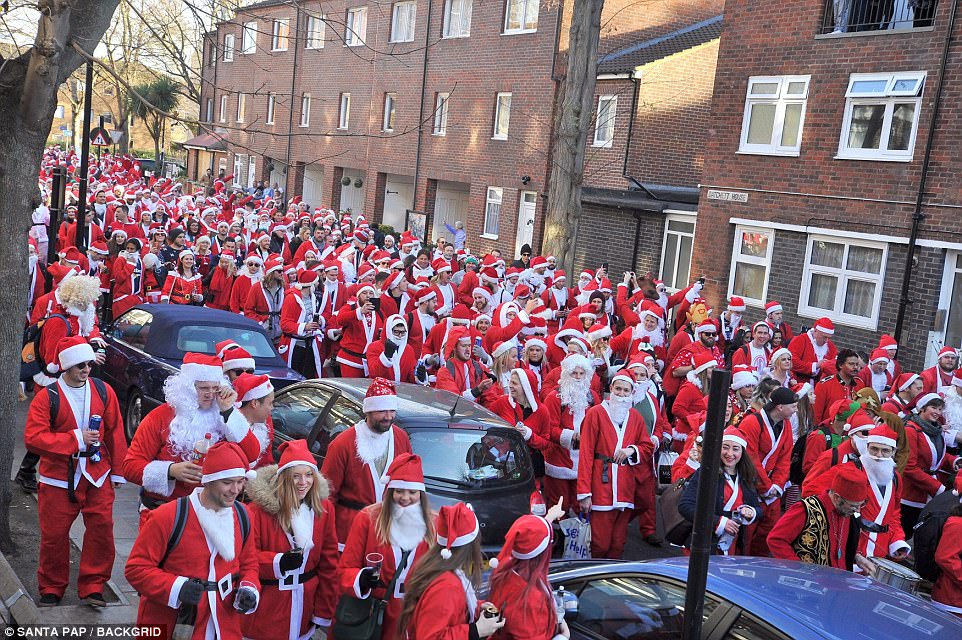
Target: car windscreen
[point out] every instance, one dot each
(468, 458)
(204, 338)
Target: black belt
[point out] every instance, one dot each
(71, 470)
(605, 467)
(211, 585)
(351, 504)
(354, 354)
(301, 579)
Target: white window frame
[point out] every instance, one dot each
(238, 167)
(678, 217)
(271, 107)
(488, 201)
(781, 99)
(403, 21)
(249, 38)
(305, 110)
(836, 314)
(390, 112)
(355, 27)
(527, 5)
(765, 262)
(344, 112)
(457, 18)
(496, 134)
(223, 108)
(251, 171)
(208, 112)
(442, 102)
(888, 97)
(609, 123)
(316, 27)
(229, 47)
(241, 107)
(281, 34)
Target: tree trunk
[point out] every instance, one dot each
(572, 121)
(27, 106)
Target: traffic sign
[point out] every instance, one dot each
(99, 137)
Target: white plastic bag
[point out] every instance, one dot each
(577, 533)
(666, 458)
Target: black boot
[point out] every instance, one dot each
(27, 475)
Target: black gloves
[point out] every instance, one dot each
(245, 600)
(390, 348)
(191, 591)
(368, 579)
(421, 374)
(291, 560)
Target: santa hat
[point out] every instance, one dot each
(183, 254)
(539, 262)
(743, 376)
(273, 264)
(527, 538)
(957, 377)
(905, 380)
(483, 292)
(488, 274)
(330, 265)
(734, 436)
(825, 325)
(440, 265)
(653, 309)
(883, 435)
(501, 348)
(624, 376)
(598, 331)
(529, 383)
(760, 323)
(224, 460)
(843, 408)
(254, 258)
(200, 367)
(850, 483)
(887, 342)
(380, 396)
(223, 346)
(802, 390)
(365, 287)
(235, 357)
(559, 275)
(295, 453)
(72, 254)
(772, 307)
(778, 353)
(535, 342)
(858, 422)
(705, 325)
(71, 352)
(393, 281)
(361, 236)
(250, 386)
(927, 398)
(736, 303)
(456, 526)
(703, 360)
(582, 343)
(99, 246)
(879, 355)
(948, 351)
(405, 472)
(306, 278)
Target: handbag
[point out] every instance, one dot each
(577, 534)
(677, 528)
(666, 458)
(362, 618)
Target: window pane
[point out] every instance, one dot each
(902, 118)
(531, 14)
(754, 244)
(869, 86)
(761, 123)
(827, 254)
(749, 280)
(865, 131)
(746, 628)
(679, 225)
(668, 259)
(859, 298)
(515, 11)
(864, 259)
(906, 84)
(821, 292)
(764, 88)
(684, 262)
(796, 88)
(793, 120)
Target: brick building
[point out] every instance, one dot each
(820, 137)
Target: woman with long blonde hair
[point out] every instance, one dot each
(504, 360)
(399, 530)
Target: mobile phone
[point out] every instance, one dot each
(377, 304)
(604, 265)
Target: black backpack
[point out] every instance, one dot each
(31, 361)
(796, 474)
(925, 538)
(180, 521)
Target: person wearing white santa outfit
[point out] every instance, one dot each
(952, 414)
(163, 454)
(75, 462)
(440, 595)
(293, 523)
(613, 434)
(392, 357)
(212, 571)
(357, 459)
(302, 327)
(400, 529)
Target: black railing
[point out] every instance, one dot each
(847, 16)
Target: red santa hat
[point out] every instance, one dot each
(456, 526)
(850, 483)
(501, 348)
(361, 236)
(224, 460)
(858, 422)
(99, 246)
(957, 377)
(801, 390)
(306, 278)
(883, 435)
(653, 309)
(535, 342)
(887, 342)
(273, 264)
(254, 258)
(598, 331)
(743, 376)
(735, 436)
(405, 472)
(825, 325)
(843, 408)
(200, 367)
(365, 287)
(879, 355)
(539, 262)
(407, 239)
(703, 360)
(331, 265)
(582, 344)
(522, 291)
(624, 376)
(488, 274)
(705, 325)
(559, 275)
(71, 352)
(380, 396)
(72, 255)
(529, 383)
(440, 265)
(393, 281)
(905, 380)
(223, 346)
(235, 357)
(944, 351)
(927, 398)
(736, 303)
(424, 294)
(250, 386)
(772, 307)
(527, 538)
(295, 453)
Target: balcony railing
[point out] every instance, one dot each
(848, 16)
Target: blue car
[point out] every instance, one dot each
(148, 342)
(748, 599)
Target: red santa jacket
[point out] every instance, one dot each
(561, 457)
(354, 483)
(256, 306)
(53, 330)
(238, 295)
(743, 357)
(771, 454)
(128, 284)
(359, 331)
(557, 301)
(865, 376)
(948, 555)
(400, 368)
(927, 456)
(806, 364)
(67, 235)
(934, 379)
(883, 509)
(530, 609)
(417, 336)
(220, 288)
(447, 298)
(828, 391)
(469, 283)
(542, 427)
(684, 358)
(57, 440)
(331, 296)
(179, 289)
(819, 476)
(460, 377)
(442, 611)
(191, 558)
(601, 438)
(690, 400)
(294, 318)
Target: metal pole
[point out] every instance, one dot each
(81, 240)
(705, 504)
(56, 214)
(101, 127)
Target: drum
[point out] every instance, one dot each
(895, 575)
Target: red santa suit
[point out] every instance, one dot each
(460, 377)
(771, 454)
(689, 401)
(830, 390)
(538, 425)
(359, 330)
(927, 456)
(649, 403)
(685, 358)
(558, 301)
(220, 289)
(935, 380)
(72, 483)
(264, 307)
(419, 328)
(199, 554)
(561, 457)
(819, 476)
(180, 289)
(807, 357)
(447, 298)
(294, 317)
(879, 383)
(399, 367)
(947, 592)
(445, 610)
(241, 288)
(883, 507)
(128, 284)
(750, 356)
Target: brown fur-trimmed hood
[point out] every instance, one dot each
(263, 491)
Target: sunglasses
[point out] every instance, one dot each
(252, 264)
(709, 335)
(85, 365)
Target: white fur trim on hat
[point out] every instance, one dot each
(502, 348)
(882, 440)
(75, 355)
(743, 379)
(775, 308)
(380, 403)
(537, 550)
(460, 541)
(705, 365)
(735, 440)
(778, 353)
(908, 383)
(365, 287)
(239, 363)
(258, 392)
(535, 342)
(529, 393)
(236, 472)
(403, 484)
(927, 398)
(202, 372)
(604, 332)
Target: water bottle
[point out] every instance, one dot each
(201, 447)
(94, 448)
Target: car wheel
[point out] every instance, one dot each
(134, 413)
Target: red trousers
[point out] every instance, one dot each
(56, 514)
(348, 371)
(645, 500)
(554, 488)
(609, 532)
(758, 545)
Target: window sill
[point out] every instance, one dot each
(879, 32)
(269, 124)
(780, 154)
(278, 50)
(846, 321)
(601, 145)
(488, 236)
(387, 130)
(314, 48)
(353, 44)
(456, 37)
(227, 61)
(439, 134)
(518, 32)
(342, 128)
(400, 41)
(499, 138)
(845, 156)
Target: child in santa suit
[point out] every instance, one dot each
(440, 599)
(296, 547)
(947, 592)
(213, 569)
(519, 582)
(399, 529)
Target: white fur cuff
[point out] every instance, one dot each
(156, 479)
(567, 435)
(237, 426)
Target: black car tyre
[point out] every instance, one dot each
(134, 413)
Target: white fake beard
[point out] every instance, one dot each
(880, 471)
(656, 338)
(860, 445)
(371, 446)
(260, 432)
(619, 407)
(574, 394)
(407, 526)
(190, 423)
(85, 318)
(219, 527)
(641, 390)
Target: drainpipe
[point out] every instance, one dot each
(917, 215)
(631, 120)
(417, 154)
(290, 115)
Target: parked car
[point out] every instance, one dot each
(147, 343)
(468, 453)
(748, 599)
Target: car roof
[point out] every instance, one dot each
(166, 315)
(770, 589)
